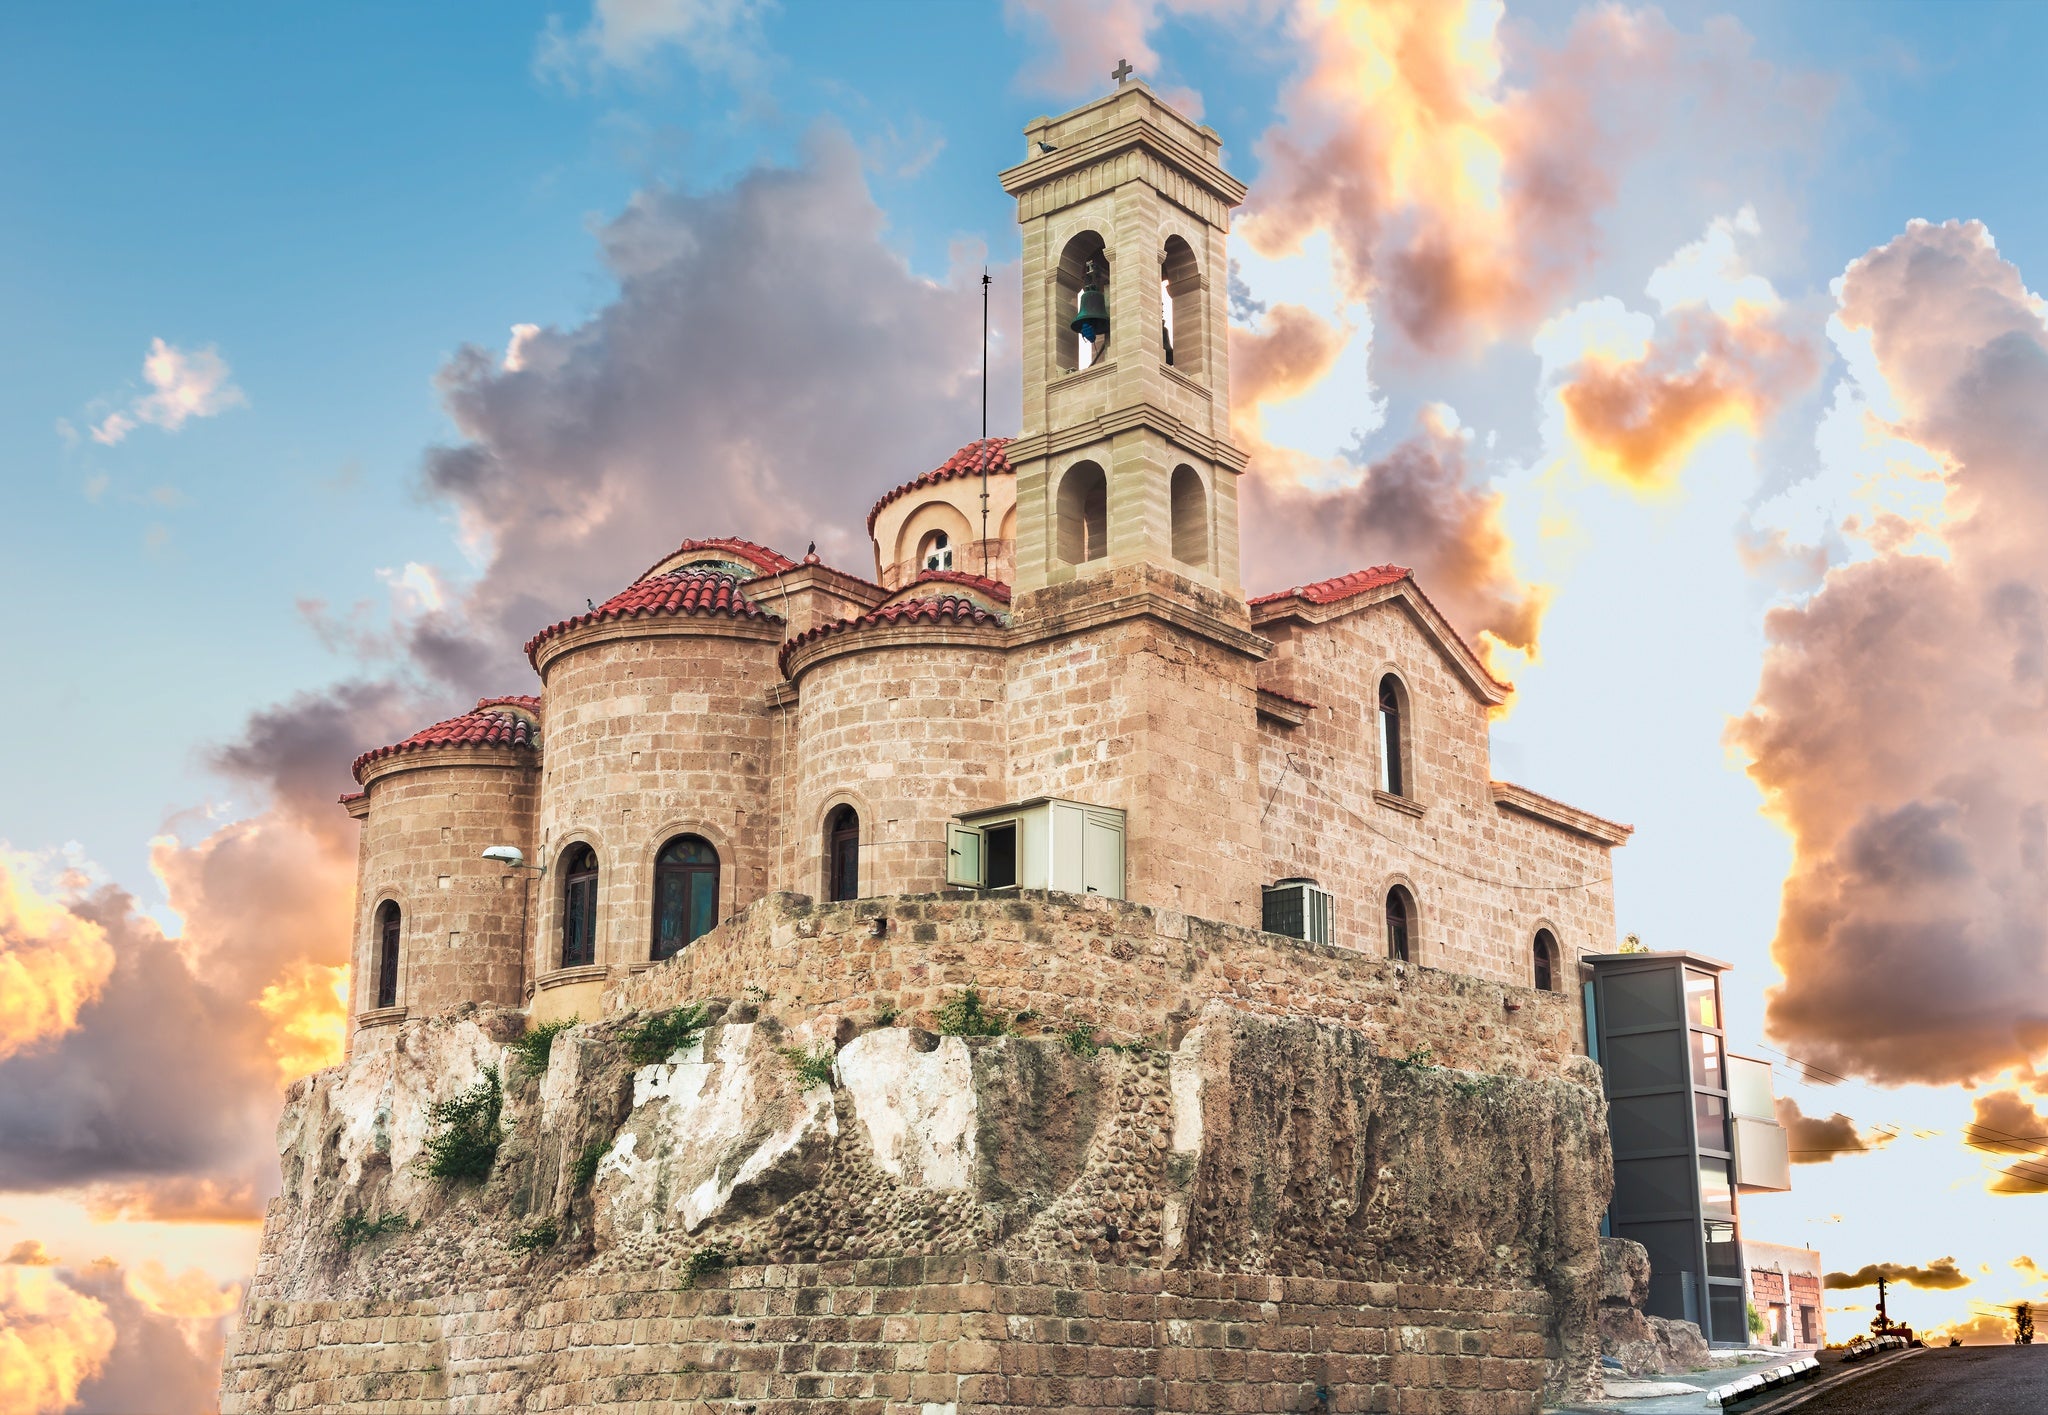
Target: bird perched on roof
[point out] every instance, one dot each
(1047, 147)
(590, 604)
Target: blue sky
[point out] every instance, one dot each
(336, 201)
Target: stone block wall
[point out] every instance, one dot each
(1151, 717)
(429, 819)
(1485, 879)
(908, 1336)
(909, 734)
(1135, 971)
(646, 737)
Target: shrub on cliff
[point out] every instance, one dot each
(964, 1015)
(663, 1035)
(530, 1053)
(464, 1142)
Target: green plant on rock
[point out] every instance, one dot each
(886, 1014)
(810, 1068)
(464, 1142)
(664, 1034)
(964, 1015)
(535, 1236)
(355, 1230)
(1470, 1086)
(530, 1053)
(1416, 1060)
(1079, 1038)
(584, 1172)
(706, 1260)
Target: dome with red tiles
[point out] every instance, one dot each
(969, 461)
(744, 556)
(937, 609)
(685, 591)
(493, 722)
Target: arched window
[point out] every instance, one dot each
(1190, 504)
(1393, 744)
(387, 953)
(1083, 514)
(1400, 924)
(579, 906)
(1180, 296)
(936, 553)
(842, 853)
(685, 894)
(1070, 280)
(1546, 961)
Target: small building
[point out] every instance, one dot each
(1785, 1288)
(1692, 1127)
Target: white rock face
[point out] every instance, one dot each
(918, 1107)
(705, 1128)
(376, 1107)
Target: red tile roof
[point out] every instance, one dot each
(349, 798)
(770, 562)
(967, 462)
(488, 724)
(937, 610)
(684, 591)
(1286, 697)
(1343, 587)
(1340, 587)
(994, 589)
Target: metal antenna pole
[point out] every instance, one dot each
(984, 422)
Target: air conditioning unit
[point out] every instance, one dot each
(1299, 908)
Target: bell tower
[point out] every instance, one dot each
(1125, 458)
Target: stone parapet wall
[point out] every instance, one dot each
(1135, 971)
(965, 1334)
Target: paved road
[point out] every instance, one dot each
(1961, 1380)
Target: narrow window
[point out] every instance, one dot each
(1165, 318)
(1190, 507)
(387, 953)
(1400, 923)
(1391, 743)
(842, 854)
(579, 906)
(1083, 514)
(685, 894)
(938, 552)
(1545, 950)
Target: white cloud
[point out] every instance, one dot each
(183, 384)
(714, 35)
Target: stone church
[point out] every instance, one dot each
(1050, 678)
(1029, 975)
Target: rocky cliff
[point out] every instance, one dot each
(1392, 1233)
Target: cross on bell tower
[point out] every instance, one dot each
(1125, 458)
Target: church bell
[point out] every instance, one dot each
(1091, 319)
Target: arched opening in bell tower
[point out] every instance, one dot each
(1190, 504)
(1180, 301)
(1083, 514)
(1074, 351)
